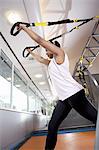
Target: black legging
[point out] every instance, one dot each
(79, 102)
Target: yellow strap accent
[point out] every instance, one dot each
(80, 72)
(86, 91)
(90, 63)
(77, 27)
(40, 23)
(75, 20)
(81, 61)
(81, 58)
(97, 16)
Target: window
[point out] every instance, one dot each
(19, 92)
(5, 81)
(32, 101)
(14, 92)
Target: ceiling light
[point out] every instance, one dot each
(42, 83)
(13, 17)
(38, 75)
(9, 78)
(17, 85)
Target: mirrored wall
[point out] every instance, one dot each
(15, 93)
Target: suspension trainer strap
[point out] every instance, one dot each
(77, 27)
(14, 33)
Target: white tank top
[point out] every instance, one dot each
(62, 80)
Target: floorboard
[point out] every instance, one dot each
(68, 141)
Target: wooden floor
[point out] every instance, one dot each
(68, 141)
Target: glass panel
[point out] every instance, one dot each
(35, 103)
(32, 101)
(5, 80)
(38, 106)
(19, 92)
(18, 98)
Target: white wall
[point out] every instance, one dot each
(14, 126)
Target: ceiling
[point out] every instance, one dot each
(48, 10)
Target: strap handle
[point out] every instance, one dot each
(26, 54)
(12, 31)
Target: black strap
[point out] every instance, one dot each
(25, 53)
(84, 21)
(12, 31)
(49, 24)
